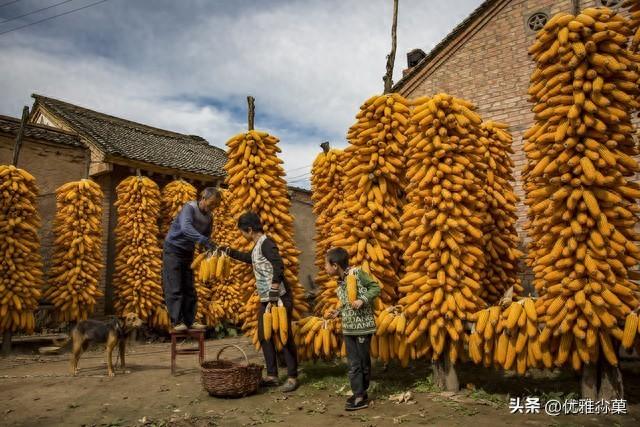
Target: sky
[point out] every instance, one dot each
(188, 65)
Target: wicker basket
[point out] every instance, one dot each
(224, 378)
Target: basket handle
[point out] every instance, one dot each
(246, 359)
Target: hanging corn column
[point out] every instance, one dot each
(442, 226)
(582, 202)
(138, 263)
(256, 183)
(21, 263)
(327, 193)
(500, 235)
(77, 254)
(369, 227)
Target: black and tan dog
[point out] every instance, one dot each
(113, 333)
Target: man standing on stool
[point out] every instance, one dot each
(191, 226)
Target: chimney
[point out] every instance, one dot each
(413, 58)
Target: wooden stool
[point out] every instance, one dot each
(189, 333)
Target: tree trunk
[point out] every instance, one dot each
(589, 382)
(445, 376)
(611, 386)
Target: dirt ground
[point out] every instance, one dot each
(37, 391)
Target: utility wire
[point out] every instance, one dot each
(301, 167)
(54, 16)
(304, 175)
(8, 3)
(35, 11)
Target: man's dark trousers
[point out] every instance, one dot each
(179, 292)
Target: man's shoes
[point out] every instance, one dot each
(352, 398)
(357, 404)
(198, 326)
(180, 327)
(289, 386)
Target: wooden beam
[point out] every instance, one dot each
(134, 164)
(391, 58)
(18, 145)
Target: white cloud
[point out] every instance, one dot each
(309, 63)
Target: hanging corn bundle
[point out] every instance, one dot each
(508, 337)
(173, 198)
(77, 254)
(327, 193)
(500, 235)
(138, 263)
(21, 265)
(582, 202)
(442, 225)
(256, 183)
(317, 338)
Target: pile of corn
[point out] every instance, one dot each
(256, 183)
(582, 202)
(442, 225)
(508, 338)
(173, 197)
(374, 171)
(317, 338)
(20, 260)
(138, 263)
(500, 235)
(77, 253)
(327, 193)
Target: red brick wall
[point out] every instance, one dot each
(492, 70)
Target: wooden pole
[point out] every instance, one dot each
(6, 336)
(391, 58)
(589, 382)
(251, 112)
(575, 7)
(6, 343)
(325, 147)
(445, 376)
(18, 145)
(87, 164)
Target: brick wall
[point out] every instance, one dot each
(492, 69)
(52, 166)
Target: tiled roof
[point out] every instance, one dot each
(135, 141)
(484, 6)
(11, 125)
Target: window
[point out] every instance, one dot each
(610, 3)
